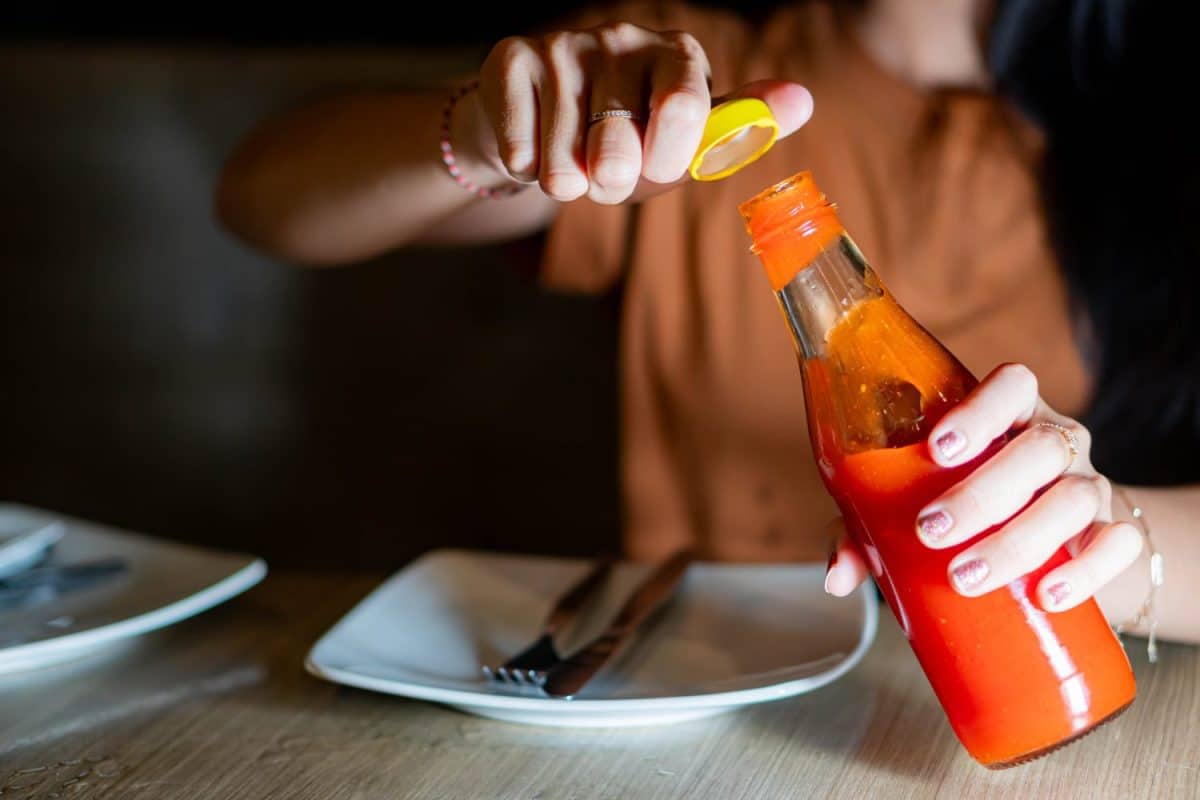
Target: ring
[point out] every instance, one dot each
(612, 113)
(1069, 437)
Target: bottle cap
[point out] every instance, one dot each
(737, 133)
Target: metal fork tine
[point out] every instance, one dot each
(515, 676)
(515, 671)
(528, 667)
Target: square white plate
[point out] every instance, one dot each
(165, 582)
(731, 636)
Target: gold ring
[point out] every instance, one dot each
(1069, 437)
(612, 113)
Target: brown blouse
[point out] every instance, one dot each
(939, 191)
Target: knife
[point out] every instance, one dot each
(542, 654)
(41, 584)
(22, 551)
(567, 678)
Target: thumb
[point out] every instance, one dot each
(790, 103)
(846, 569)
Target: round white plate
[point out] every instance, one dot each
(165, 582)
(733, 635)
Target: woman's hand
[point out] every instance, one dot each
(529, 119)
(1074, 509)
(351, 176)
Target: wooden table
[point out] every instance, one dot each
(219, 707)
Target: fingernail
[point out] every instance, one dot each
(935, 525)
(951, 443)
(970, 574)
(1059, 592)
(833, 559)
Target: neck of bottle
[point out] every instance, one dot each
(823, 292)
(817, 272)
(874, 377)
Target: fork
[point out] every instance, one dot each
(528, 667)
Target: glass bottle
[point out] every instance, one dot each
(1015, 681)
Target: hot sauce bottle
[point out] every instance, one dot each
(1015, 681)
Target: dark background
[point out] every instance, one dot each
(260, 24)
(160, 377)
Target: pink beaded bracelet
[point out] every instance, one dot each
(448, 151)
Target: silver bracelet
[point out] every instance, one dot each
(1145, 615)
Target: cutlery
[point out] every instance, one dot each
(20, 551)
(40, 584)
(523, 668)
(568, 677)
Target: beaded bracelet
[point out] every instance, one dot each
(1145, 614)
(448, 151)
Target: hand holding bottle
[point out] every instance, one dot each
(1047, 460)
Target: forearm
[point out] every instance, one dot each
(351, 177)
(1171, 515)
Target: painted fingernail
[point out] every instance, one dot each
(951, 443)
(970, 574)
(935, 525)
(833, 559)
(1059, 592)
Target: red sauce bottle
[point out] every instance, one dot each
(1015, 681)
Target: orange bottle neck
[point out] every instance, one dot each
(790, 224)
(885, 379)
(783, 256)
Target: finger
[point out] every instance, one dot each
(561, 106)
(679, 105)
(1028, 540)
(1112, 549)
(507, 91)
(790, 103)
(614, 144)
(1006, 397)
(997, 490)
(845, 570)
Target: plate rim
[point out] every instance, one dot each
(462, 697)
(26, 656)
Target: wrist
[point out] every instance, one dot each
(1144, 620)
(468, 148)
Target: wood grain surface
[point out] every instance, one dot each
(220, 707)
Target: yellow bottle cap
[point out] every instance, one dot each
(737, 133)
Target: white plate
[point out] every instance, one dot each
(165, 583)
(733, 635)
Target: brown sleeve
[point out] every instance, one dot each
(585, 248)
(587, 242)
